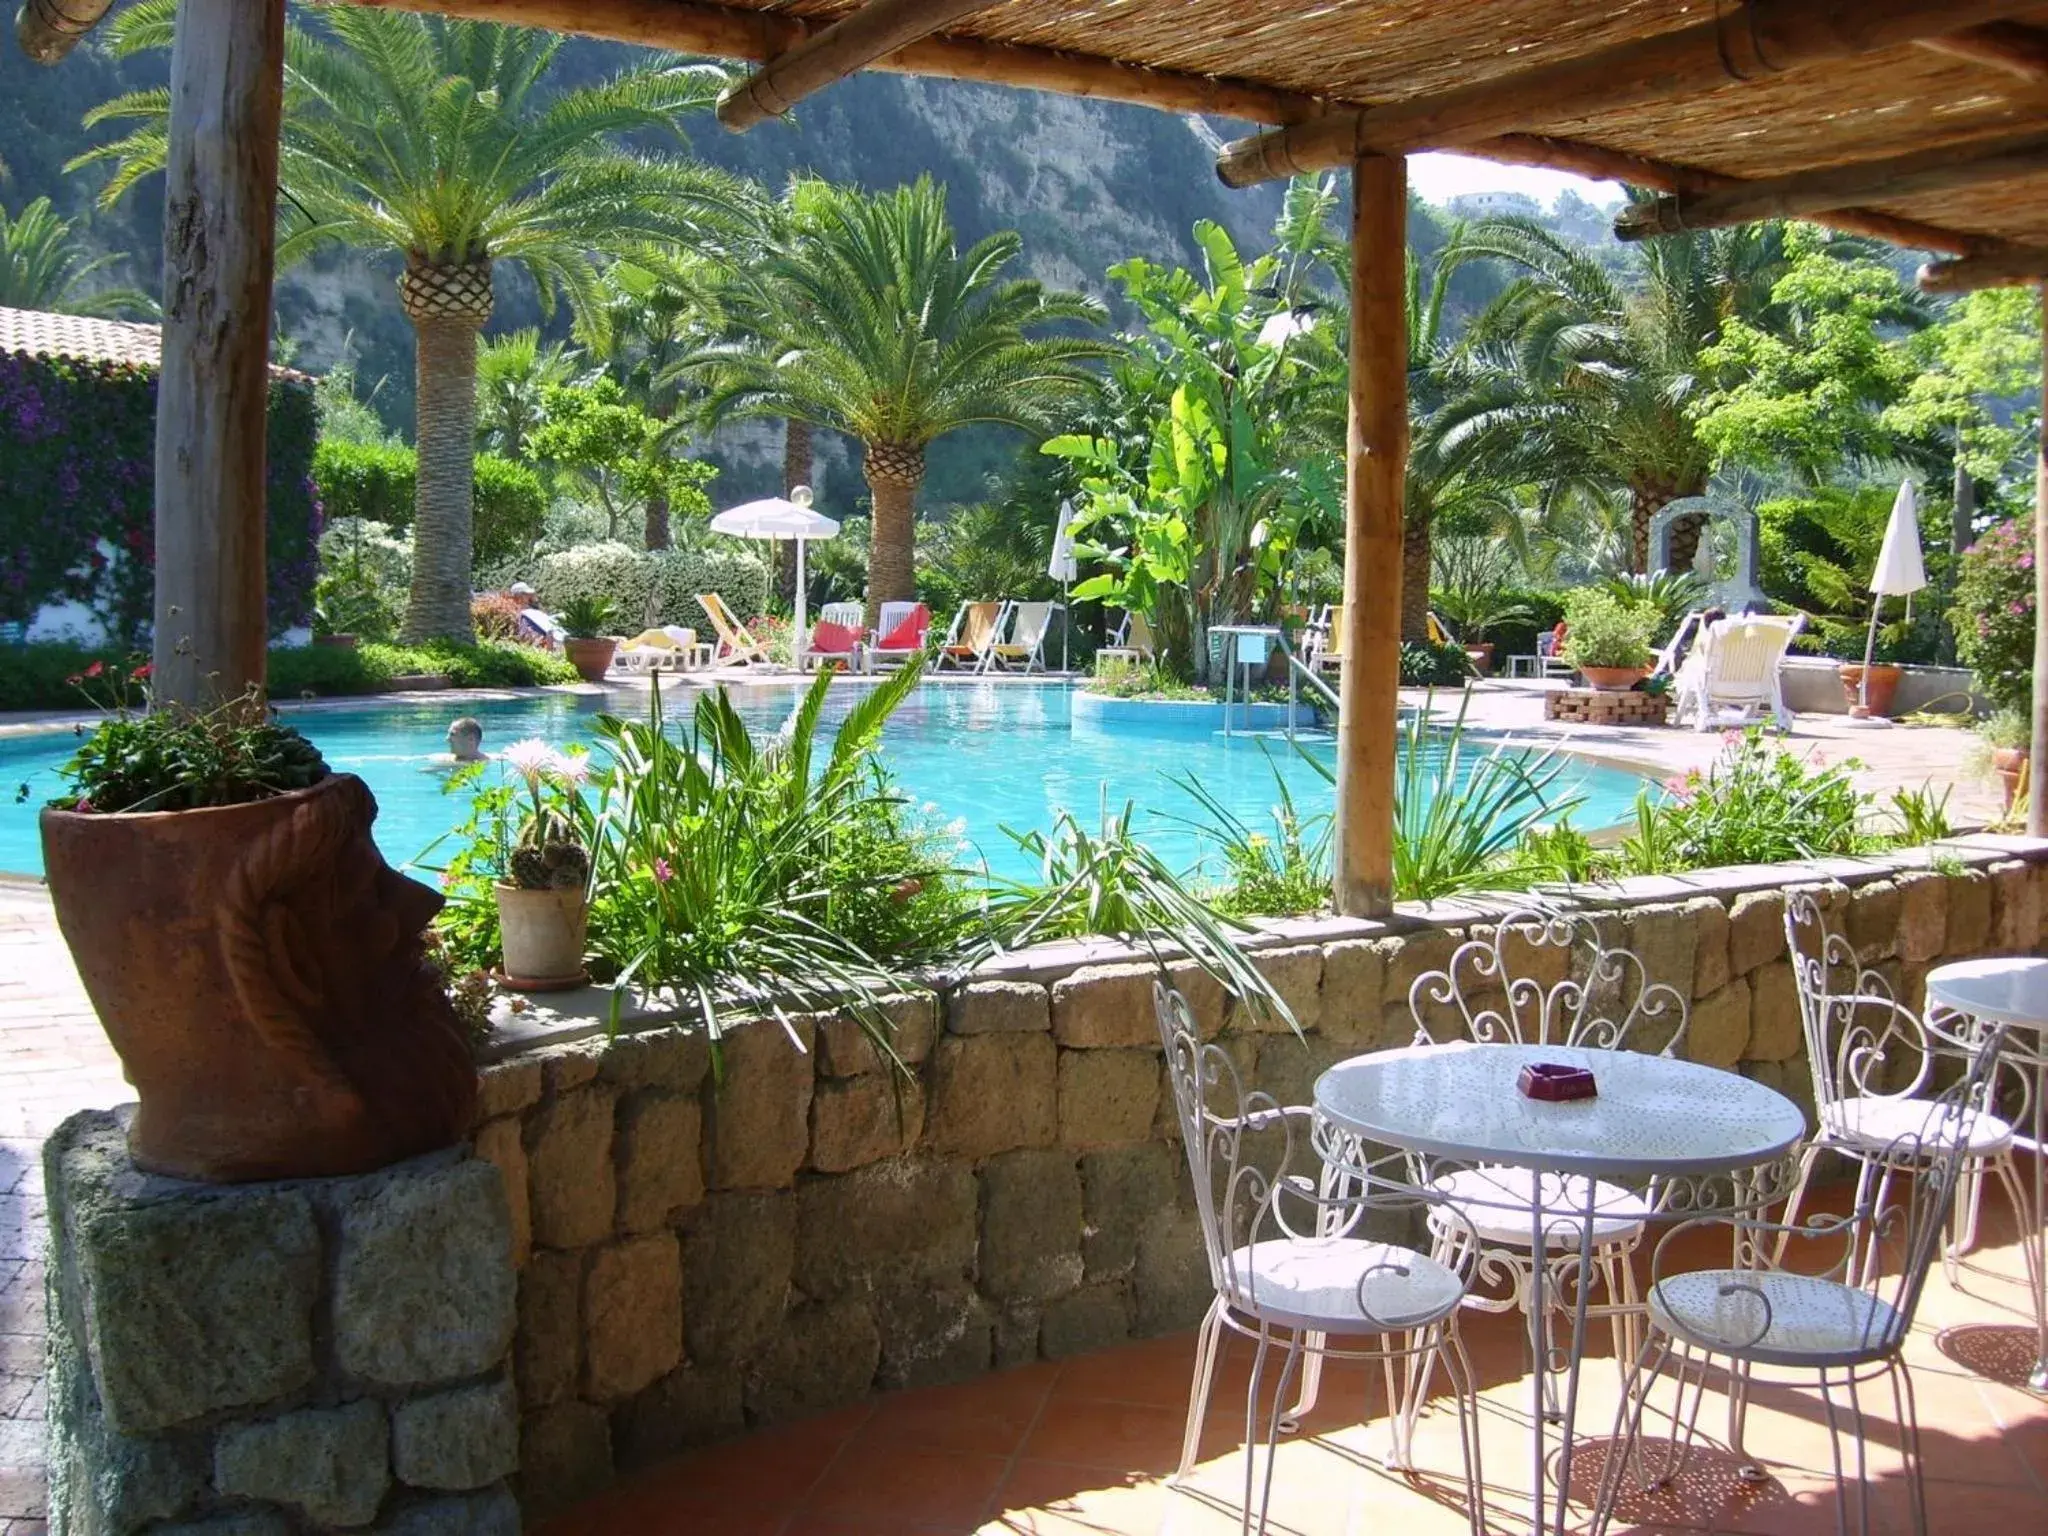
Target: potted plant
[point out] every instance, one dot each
(1608, 640)
(2009, 733)
(1885, 673)
(543, 899)
(588, 647)
(259, 969)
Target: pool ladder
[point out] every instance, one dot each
(1298, 672)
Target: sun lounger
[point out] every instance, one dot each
(1132, 644)
(544, 627)
(671, 648)
(967, 643)
(1024, 649)
(1327, 647)
(735, 645)
(902, 631)
(1733, 673)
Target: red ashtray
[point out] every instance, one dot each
(1555, 1083)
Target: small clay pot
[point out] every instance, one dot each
(1481, 654)
(592, 659)
(2011, 764)
(1613, 679)
(1884, 686)
(541, 933)
(261, 972)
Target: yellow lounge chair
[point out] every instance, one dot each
(735, 645)
(1029, 624)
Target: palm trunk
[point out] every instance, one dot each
(1415, 557)
(894, 471)
(444, 505)
(796, 471)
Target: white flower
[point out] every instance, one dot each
(573, 768)
(532, 759)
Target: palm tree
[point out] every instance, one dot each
(438, 142)
(513, 374)
(866, 318)
(43, 266)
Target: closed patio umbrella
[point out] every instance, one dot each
(774, 518)
(1062, 568)
(1900, 573)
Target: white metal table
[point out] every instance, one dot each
(2014, 992)
(1654, 1119)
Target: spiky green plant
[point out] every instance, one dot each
(43, 265)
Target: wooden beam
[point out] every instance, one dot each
(880, 27)
(2037, 756)
(1895, 178)
(2009, 267)
(1376, 461)
(1741, 43)
(2019, 50)
(220, 218)
(1664, 176)
(729, 33)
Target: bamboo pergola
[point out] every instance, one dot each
(1922, 122)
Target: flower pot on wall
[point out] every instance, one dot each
(1884, 686)
(2011, 765)
(592, 659)
(1613, 679)
(261, 972)
(542, 934)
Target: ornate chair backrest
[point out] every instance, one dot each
(1861, 1041)
(1547, 978)
(1264, 1171)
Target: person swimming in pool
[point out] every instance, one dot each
(465, 746)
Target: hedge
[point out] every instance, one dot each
(627, 575)
(377, 482)
(77, 498)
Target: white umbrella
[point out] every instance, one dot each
(1900, 572)
(775, 518)
(1063, 569)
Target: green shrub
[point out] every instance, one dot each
(377, 482)
(332, 670)
(1517, 637)
(628, 577)
(1994, 614)
(1604, 630)
(38, 676)
(1428, 665)
(1755, 805)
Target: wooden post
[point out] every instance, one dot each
(2037, 757)
(1376, 462)
(220, 209)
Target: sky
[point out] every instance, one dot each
(1438, 178)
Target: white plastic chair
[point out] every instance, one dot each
(1838, 1323)
(1732, 675)
(1873, 1060)
(1290, 1268)
(889, 619)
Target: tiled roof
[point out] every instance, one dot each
(38, 333)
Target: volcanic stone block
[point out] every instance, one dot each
(565, 1454)
(457, 1440)
(661, 1159)
(1874, 920)
(1411, 955)
(189, 1298)
(1107, 1098)
(907, 1218)
(1030, 1226)
(549, 1356)
(930, 1336)
(1969, 913)
(992, 1093)
(860, 1120)
(1710, 967)
(675, 1058)
(1297, 975)
(1775, 1032)
(1171, 1284)
(1121, 1190)
(821, 1357)
(498, 1143)
(1353, 991)
(1720, 1029)
(2016, 908)
(688, 1407)
(102, 1481)
(329, 1462)
(760, 1115)
(632, 1316)
(1923, 915)
(997, 1008)
(1665, 939)
(424, 1289)
(569, 1164)
(1105, 1005)
(507, 1087)
(1090, 1319)
(737, 1261)
(845, 1048)
(243, 1523)
(494, 1512)
(1756, 930)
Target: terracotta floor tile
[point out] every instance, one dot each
(1040, 1498)
(907, 1483)
(990, 1415)
(1113, 1436)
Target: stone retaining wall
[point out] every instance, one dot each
(696, 1257)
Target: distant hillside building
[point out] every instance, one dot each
(1497, 205)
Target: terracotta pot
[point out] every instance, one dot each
(1884, 685)
(1613, 679)
(591, 658)
(344, 642)
(542, 937)
(1481, 653)
(260, 970)
(2011, 763)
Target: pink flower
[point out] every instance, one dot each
(141, 673)
(1676, 784)
(662, 873)
(96, 669)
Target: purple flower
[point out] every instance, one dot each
(662, 873)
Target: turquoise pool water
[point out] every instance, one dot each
(979, 757)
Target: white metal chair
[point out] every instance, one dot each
(1285, 1236)
(1732, 675)
(1545, 979)
(1838, 1323)
(1873, 1061)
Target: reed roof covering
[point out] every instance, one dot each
(1283, 60)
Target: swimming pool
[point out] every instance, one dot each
(977, 756)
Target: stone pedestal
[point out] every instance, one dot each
(265, 1359)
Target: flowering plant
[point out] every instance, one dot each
(549, 852)
(1602, 630)
(1994, 615)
